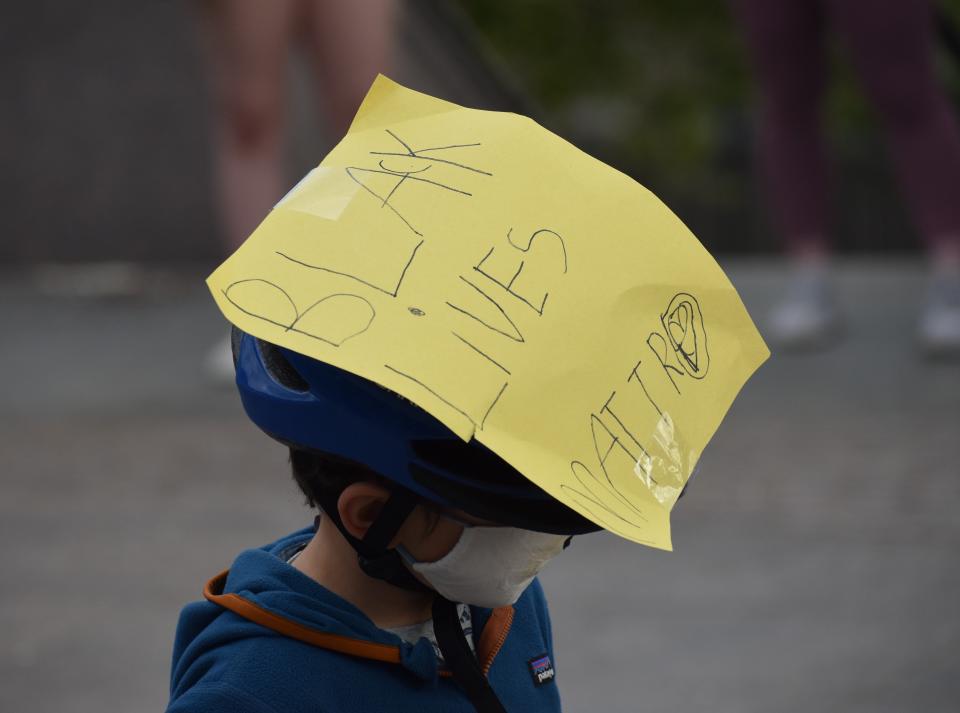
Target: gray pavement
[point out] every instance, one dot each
(816, 563)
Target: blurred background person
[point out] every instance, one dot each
(890, 44)
(249, 43)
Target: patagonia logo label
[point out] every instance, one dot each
(542, 669)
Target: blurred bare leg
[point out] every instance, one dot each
(785, 43)
(349, 43)
(891, 45)
(248, 44)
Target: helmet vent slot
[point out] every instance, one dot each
(279, 368)
(236, 336)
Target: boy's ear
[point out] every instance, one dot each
(359, 505)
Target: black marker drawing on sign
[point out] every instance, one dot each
(483, 354)
(685, 340)
(410, 153)
(417, 381)
(602, 460)
(492, 404)
(290, 325)
(686, 343)
(601, 514)
(508, 286)
(636, 374)
(563, 247)
(405, 174)
(391, 292)
(597, 514)
(683, 323)
(376, 195)
(662, 354)
(593, 489)
(517, 338)
(416, 311)
(355, 172)
(606, 409)
(478, 426)
(582, 498)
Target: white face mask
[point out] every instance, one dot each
(489, 566)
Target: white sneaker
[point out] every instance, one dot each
(807, 316)
(939, 329)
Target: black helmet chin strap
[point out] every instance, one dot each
(462, 662)
(373, 553)
(380, 562)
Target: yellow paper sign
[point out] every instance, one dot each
(525, 294)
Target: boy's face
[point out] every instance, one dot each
(429, 534)
(489, 565)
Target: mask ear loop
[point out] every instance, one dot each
(462, 662)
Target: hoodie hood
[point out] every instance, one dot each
(262, 588)
(267, 632)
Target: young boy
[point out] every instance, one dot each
(414, 591)
(478, 342)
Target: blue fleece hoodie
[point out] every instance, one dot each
(270, 639)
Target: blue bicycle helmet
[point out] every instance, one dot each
(311, 405)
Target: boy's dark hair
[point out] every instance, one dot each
(319, 474)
